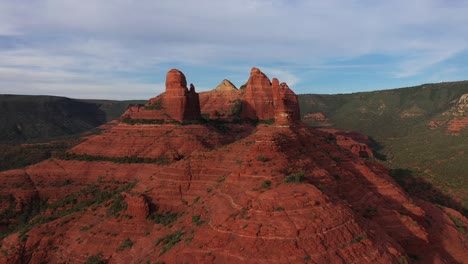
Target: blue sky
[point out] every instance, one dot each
(122, 49)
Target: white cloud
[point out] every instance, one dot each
(281, 75)
(103, 39)
(33, 58)
(63, 83)
(423, 60)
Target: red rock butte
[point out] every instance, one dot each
(148, 189)
(259, 100)
(179, 102)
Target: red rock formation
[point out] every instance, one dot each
(316, 116)
(434, 124)
(259, 100)
(152, 110)
(359, 149)
(192, 109)
(286, 104)
(155, 141)
(356, 143)
(137, 207)
(258, 97)
(344, 208)
(264, 194)
(458, 119)
(226, 86)
(457, 124)
(224, 100)
(180, 104)
(177, 103)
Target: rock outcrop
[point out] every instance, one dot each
(259, 100)
(226, 86)
(285, 102)
(206, 194)
(179, 102)
(357, 144)
(223, 102)
(457, 120)
(258, 97)
(290, 191)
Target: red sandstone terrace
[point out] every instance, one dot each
(225, 176)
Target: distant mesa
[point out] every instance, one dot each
(260, 100)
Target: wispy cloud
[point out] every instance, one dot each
(118, 41)
(422, 60)
(281, 75)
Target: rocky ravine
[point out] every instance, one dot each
(162, 186)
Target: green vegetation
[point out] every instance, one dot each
(23, 237)
(163, 160)
(96, 259)
(220, 180)
(31, 216)
(20, 156)
(196, 220)
(267, 122)
(236, 109)
(358, 239)
(169, 241)
(27, 118)
(296, 177)
(164, 218)
(118, 205)
(397, 122)
(266, 184)
(131, 121)
(458, 223)
(262, 158)
(420, 186)
(158, 105)
(402, 260)
(127, 243)
(114, 109)
(370, 212)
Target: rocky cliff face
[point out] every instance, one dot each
(223, 102)
(455, 119)
(180, 103)
(286, 104)
(258, 97)
(261, 99)
(204, 193)
(177, 103)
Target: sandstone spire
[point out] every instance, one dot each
(286, 103)
(258, 97)
(180, 103)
